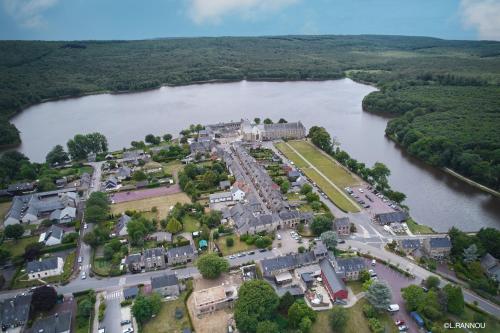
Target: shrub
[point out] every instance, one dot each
(229, 242)
(375, 325)
(369, 311)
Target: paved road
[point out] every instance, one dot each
(112, 316)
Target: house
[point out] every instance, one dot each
(320, 251)
(342, 226)
(39, 206)
(154, 259)
(85, 181)
(121, 226)
(39, 269)
(111, 183)
(134, 156)
(21, 188)
(130, 292)
(293, 175)
(65, 215)
(134, 262)
(437, 247)
(123, 172)
(166, 285)
(180, 255)
(408, 246)
(215, 298)
(220, 197)
(392, 217)
(15, 311)
(491, 266)
(237, 193)
(333, 283)
(266, 132)
(274, 266)
(224, 184)
(53, 236)
(91, 157)
(349, 268)
(61, 182)
(57, 323)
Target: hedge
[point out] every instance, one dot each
(57, 248)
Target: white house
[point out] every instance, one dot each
(220, 197)
(237, 193)
(65, 215)
(53, 236)
(44, 268)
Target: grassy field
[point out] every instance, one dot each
(357, 322)
(238, 246)
(419, 228)
(4, 208)
(327, 167)
(356, 286)
(190, 223)
(165, 321)
(101, 266)
(173, 168)
(16, 248)
(163, 204)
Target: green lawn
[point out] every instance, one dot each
(16, 248)
(4, 208)
(101, 266)
(190, 223)
(327, 166)
(419, 228)
(470, 315)
(357, 322)
(356, 286)
(238, 246)
(165, 321)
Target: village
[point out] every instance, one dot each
(179, 226)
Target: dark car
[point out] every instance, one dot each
(125, 322)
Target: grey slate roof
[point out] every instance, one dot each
(130, 292)
(440, 242)
(341, 222)
(122, 222)
(409, 244)
(331, 276)
(54, 324)
(354, 264)
(320, 249)
(155, 252)
(286, 262)
(488, 261)
(14, 311)
(41, 265)
(164, 281)
(387, 218)
(54, 231)
(180, 251)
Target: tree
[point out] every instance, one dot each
(285, 186)
(82, 145)
(44, 298)
(413, 296)
(379, 295)
(151, 139)
(338, 318)
(329, 238)
(321, 138)
(364, 276)
(263, 241)
(470, 253)
(139, 175)
(305, 189)
(257, 302)
(211, 265)
(267, 326)
(32, 251)
(4, 255)
(321, 224)
(145, 307)
(455, 298)
(286, 302)
(268, 121)
(256, 121)
(167, 137)
(229, 241)
(57, 156)
(490, 240)
(432, 282)
(138, 228)
(282, 121)
(298, 311)
(174, 226)
(305, 325)
(14, 231)
(97, 207)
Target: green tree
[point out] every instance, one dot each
(282, 121)
(455, 298)
(174, 226)
(305, 189)
(167, 137)
(257, 302)
(44, 298)
(329, 238)
(321, 224)
(256, 121)
(151, 139)
(285, 186)
(432, 282)
(321, 138)
(338, 318)
(267, 326)
(379, 295)
(211, 265)
(229, 241)
(14, 231)
(414, 296)
(139, 175)
(305, 325)
(145, 307)
(268, 121)
(298, 311)
(4, 255)
(263, 241)
(471, 253)
(57, 156)
(286, 302)
(364, 276)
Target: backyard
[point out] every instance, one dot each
(190, 223)
(238, 246)
(418, 228)
(162, 203)
(4, 208)
(330, 169)
(16, 248)
(166, 321)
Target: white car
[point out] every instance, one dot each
(84, 276)
(278, 236)
(85, 226)
(80, 259)
(361, 190)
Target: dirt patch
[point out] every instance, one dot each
(144, 194)
(215, 322)
(162, 203)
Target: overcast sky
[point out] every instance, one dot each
(140, 19)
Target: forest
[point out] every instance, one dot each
(445, 89)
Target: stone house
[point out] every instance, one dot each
(438, 248)
(166, 285)
(43, 268)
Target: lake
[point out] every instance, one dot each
(435, 198)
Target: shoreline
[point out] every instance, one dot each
(387, 116)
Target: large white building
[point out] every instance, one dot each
(266, 132)
(40, 269)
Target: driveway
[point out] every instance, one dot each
(113, 315)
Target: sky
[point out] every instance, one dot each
(143, 19)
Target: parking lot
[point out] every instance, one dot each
(288, 243)
(396, 281)
(377, 204)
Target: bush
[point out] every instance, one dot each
(375, 325)
(229, 242)
(369, 311)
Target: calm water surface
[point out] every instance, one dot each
(435, 198)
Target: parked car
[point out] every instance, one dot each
(85, 226)
(374, 262)
(84, 276)
(278, 236)
(125, 322)
(128, 330)
(361, 190)
(80, 259)
(393, 308)
(399, 322)
(402, 328)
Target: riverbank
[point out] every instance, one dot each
(471, 182)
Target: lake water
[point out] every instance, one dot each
(435, 198)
